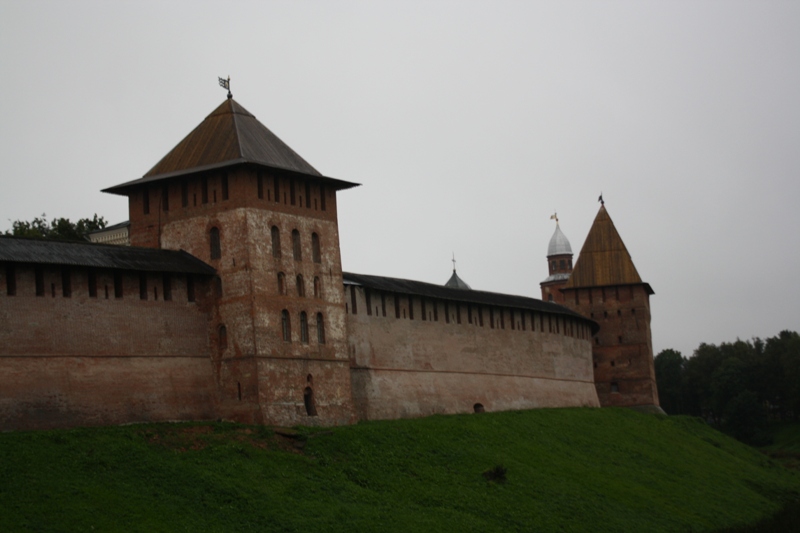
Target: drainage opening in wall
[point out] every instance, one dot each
(478, 408)
(308, 400)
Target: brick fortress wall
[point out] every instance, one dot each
(421, 356)
(73, 359)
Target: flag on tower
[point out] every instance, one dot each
(225, 84)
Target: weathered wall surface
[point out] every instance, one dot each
(405, 367)
(78, 360)
(261, 370)
(623, 348)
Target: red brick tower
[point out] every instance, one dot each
(559, 264)
(234, 195)
(606, 287)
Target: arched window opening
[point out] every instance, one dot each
(614, 386)
(478, 408)
(297, 251)
(286, 326)
(304, 327)
(276, 242)
(281, 283)
(315, 252)
(222, 335)
(317, 287)
(239, 387)
(308, 400)
(320, 329)
(216, 250)
(301, 286)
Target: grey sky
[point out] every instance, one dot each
(468, 124)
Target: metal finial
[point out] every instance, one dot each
(602, 203)
(454, 261)
(554, 216)
(226, 84)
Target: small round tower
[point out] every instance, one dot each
(559, 265)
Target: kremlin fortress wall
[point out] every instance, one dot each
(228, 301)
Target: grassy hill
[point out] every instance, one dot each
(543, 470)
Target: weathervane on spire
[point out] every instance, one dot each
(554, 216)
(602, 203)
(226, 84)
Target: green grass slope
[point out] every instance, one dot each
(565, 470)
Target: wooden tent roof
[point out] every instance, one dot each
(604, 260)
(230, 135)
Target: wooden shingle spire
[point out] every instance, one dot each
(604, 260)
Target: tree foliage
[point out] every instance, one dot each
(62, 229)
(736, 385)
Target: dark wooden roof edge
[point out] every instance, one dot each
(95, 255)
(647, 287)
(124, 188)
(431, 290)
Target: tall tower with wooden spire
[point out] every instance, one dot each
(605, 286)
(234, 195)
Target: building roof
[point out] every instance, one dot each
(604, 260)
(39, 251)
(430, 290)
(229, 136)
(457, 283)
(559, 244)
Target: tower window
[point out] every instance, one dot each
(320, 329)
(276, 241)
(303, 327)
(301, 286)
(204, 190)
(286, 326)
(260, 185)
(315, 251)
(291, 192)
(353, 299)
(297, 251)
(317, 287)
(308, 194)
(614, 386)
(281, 283)
(222, 337)
(276, 186)
(216, 250)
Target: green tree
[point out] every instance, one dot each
(669, 379)
(745, 418)
(61, 229)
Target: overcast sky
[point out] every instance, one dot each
(468, 124)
